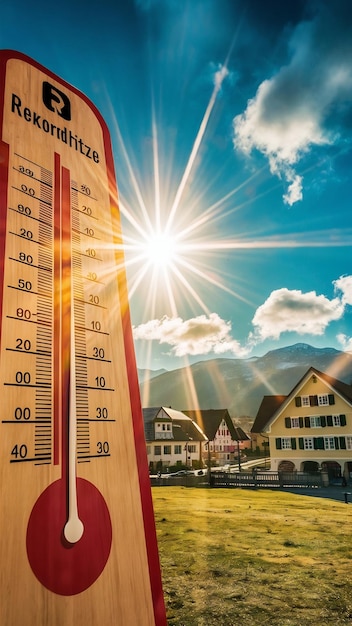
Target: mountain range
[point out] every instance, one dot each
(240, 384)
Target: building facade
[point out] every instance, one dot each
(310, 429)
(172, 439)
(226, 440)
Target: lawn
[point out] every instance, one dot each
(233, 557)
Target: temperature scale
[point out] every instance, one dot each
(78, 542)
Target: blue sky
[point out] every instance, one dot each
(231, 125)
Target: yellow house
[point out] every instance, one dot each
(310, 429)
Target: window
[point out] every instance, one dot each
(167, 449)
(305, 401)
(178, 449)
(157, 450)
(286, 443)
(294, 422)
(349, 442)
(315, 421)
(323, 399)
(329, 443)
(192, 448)
(308, 443)
(148, 449)
(336, 420)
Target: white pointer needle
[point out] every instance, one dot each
(74, 528)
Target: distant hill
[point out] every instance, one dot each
(240, 384)
(145, 374)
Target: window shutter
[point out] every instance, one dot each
(343, 420)
(278, 443)
(329, 420)
(342, 443)
(315, 400)
(307, 421)
(300, 419)
(293, 443)
(319, 443)
(323, 421)
(288, 422)
(315, 443)
(301, 443)
(331, 398)
(337, 443)
(298, 401)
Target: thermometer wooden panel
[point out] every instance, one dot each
(78, 542)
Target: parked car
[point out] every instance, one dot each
(181, 473)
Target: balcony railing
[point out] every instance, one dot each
(164, 435)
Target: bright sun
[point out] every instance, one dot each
(160, 250)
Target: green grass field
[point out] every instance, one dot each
(233, 557)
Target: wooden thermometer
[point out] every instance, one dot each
(78, 542)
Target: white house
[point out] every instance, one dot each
(172, 438)
(310, 429)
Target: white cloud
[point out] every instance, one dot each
(199, 335)
(219, 76)
(294, 190)
(293, 311)
(345, 341)
(283, 311)
(344, 284)
(290, 112)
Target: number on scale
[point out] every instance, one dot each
(103, 447)
(23, 313)
(23, 344)
(25, 170)
(24, 209)
(19, 451)
(29, 190)
(24, 284)
(25, 258)
(102, 412)
(22, 413)
(23, 378)
(27, 234)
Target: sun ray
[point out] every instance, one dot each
(138, 278)
(215, 211)
(190, 290)
(208, 279)
(194, 152)
(171, 297)
(133, 177)
(190, 387)
(156, 170)
(127, 213)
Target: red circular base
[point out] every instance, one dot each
(64, 568)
